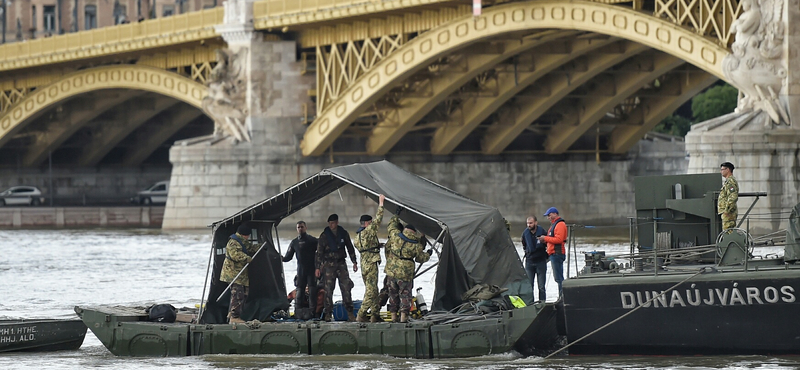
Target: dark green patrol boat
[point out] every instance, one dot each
(687, 287)
(475, 249)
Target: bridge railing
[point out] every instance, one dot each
(279, 8)
(308, 11)
(107, 40)
(712, 18)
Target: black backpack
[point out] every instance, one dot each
(161, 313)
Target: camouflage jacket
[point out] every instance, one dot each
(328, 253)
(728, 196)
(236, 259)
(366, 240)
(402, 250)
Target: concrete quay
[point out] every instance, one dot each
(78, 217)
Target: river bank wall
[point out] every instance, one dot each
(80, 217)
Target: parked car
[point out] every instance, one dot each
(21, 195)
(155, 194)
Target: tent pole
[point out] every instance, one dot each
(278, 238)
(416, 275)
(439, 240)
(358, 186)
(205, 282)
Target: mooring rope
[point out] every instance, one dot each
(702, 270)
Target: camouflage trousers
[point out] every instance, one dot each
(400, 295)
(238, 296)
(729, 220)
(383, 294)
(332, 270)
(369, 306)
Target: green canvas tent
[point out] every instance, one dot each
(475, 245)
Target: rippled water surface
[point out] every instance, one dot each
(45, 273)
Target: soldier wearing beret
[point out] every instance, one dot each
(369, 247)
(238, 253)
(333, 247)
(728, 196)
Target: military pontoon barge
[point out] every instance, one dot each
(126, 332)
(474, 248)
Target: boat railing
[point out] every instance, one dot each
(680, 258)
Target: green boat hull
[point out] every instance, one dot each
(125, 332)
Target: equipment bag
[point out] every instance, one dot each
(161, 313)
(482, 292)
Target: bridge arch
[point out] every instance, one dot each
(600, 18)
(134, 77)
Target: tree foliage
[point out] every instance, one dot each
(714, 102)
(674, 125)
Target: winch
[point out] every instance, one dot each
(596, 261)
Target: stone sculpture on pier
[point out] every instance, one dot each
(757, 66)
(227, 95)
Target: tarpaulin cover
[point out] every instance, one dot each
(476, 246)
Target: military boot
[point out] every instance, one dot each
(327, 316)
(376, 318)
(404, 317)
(351, 316)
(235, 320)
(361, 318)
(394, 316)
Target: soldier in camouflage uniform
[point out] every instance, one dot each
(333, 246)
(728, 197)
(238, 253)
(402, 250)
(369, 247)
(383, 294)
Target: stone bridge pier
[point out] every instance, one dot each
(215, 176)
(762, 138)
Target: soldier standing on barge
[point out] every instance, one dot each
(369, 247)
(333, 247)
(402, 250)
(238, 253)
(728, 197)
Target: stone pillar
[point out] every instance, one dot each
(762, 138)
(214, 177)
(791, 51)
(766, 161)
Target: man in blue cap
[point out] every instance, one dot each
(555, 239)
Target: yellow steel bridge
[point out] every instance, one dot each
(534, 76)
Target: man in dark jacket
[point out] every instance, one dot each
(334, 245)
(535, 255)
(306, 248)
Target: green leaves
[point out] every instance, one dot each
(714, 102)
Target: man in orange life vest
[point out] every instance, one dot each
(555, 239)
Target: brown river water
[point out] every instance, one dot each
(45, 273)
